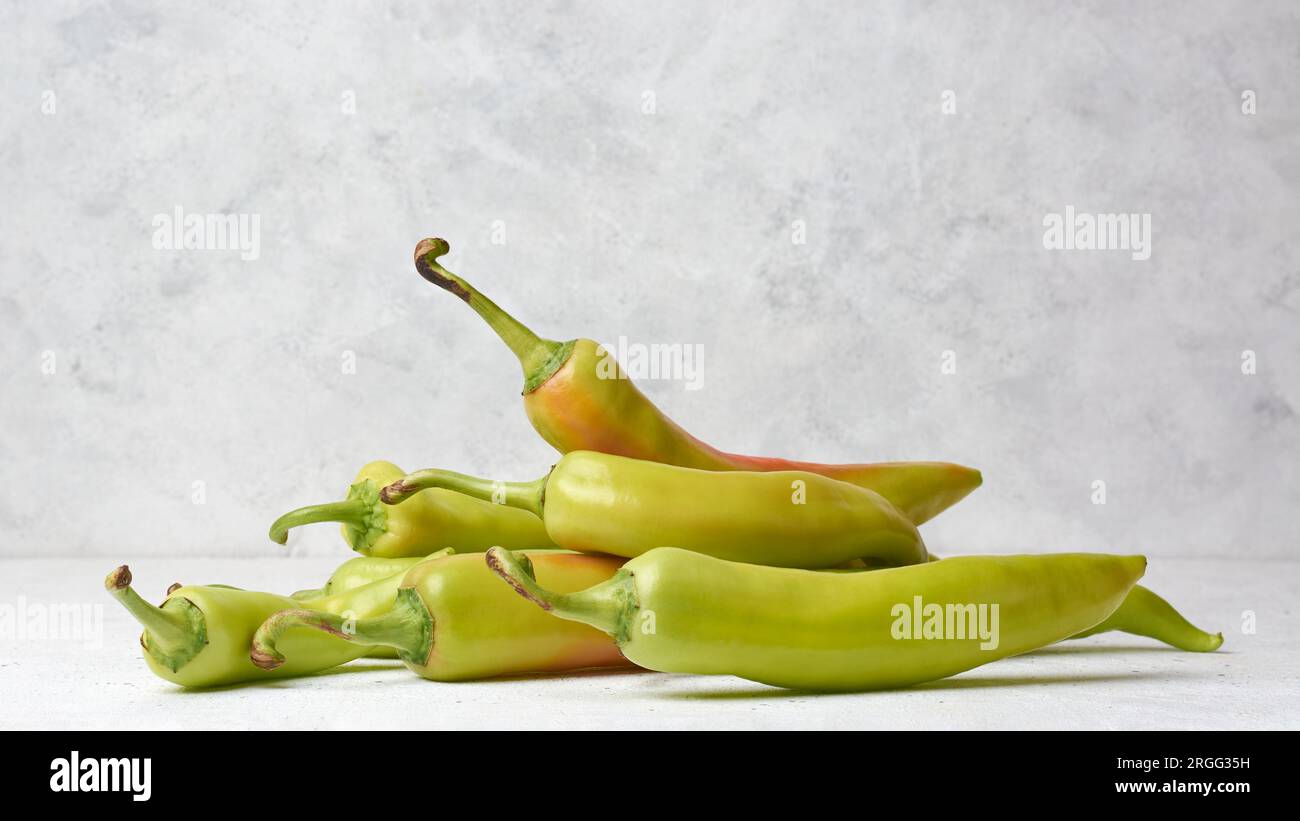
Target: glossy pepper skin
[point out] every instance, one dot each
(598, 502)
(441, 520)
(454, 621)
(359, 571)
(1144, 613)
(578, 398)
(676, 611)
(200, 635)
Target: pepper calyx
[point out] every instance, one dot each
(174, 658)
(553, 363)
(373, 522)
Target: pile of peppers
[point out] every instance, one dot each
(644, 547)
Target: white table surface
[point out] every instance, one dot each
(1108, 682)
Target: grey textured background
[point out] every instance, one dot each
(923, 235)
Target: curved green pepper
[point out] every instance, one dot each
(578, 398)
(1143, 613)
(676, 611)
(597, 502)
(200, 635)
(454, 621)
(441, 520)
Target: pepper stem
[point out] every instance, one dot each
(408, 627)
(609, 606)
(351, 512)
(540, 358)
(173, 633)
(523, 495)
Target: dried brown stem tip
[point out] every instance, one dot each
(390, 494)
(435, 245)
(515, 573)
(265, 660)
(119, 579)
(426, 252)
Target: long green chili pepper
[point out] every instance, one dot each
(200, 635)
(676, 611)
(440, 520)
(597, 502)
(454, 621)
(578, 398)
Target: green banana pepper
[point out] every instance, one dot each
(454, 621)
(439, 520)
(676, 611)
(597, 502)
(200, 635)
